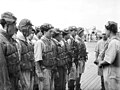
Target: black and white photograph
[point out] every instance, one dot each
(59, 44)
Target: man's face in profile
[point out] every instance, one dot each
(104, 36)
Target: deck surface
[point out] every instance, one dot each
(90, 80)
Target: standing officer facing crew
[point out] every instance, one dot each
(111, 59)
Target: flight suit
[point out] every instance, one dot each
(9, 63)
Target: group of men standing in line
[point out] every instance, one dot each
(53, 57)
(47, 57)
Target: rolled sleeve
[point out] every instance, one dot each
(38, 51)
(110, 53)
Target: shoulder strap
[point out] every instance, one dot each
(55, 44)
(106, 46)
(65, 45)
(44, 41)
(19, 47)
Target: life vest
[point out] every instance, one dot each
(82, 54)
(67, 51)
(74, 48)
(11, 56)
(49, 56)
(27, 55)
(62, 57)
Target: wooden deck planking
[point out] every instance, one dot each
(86, 76)
(92, 85)
(86, 81)
(97, 85)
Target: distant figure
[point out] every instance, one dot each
(99, 48)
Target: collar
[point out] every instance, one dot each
(20, 36)
(5, 34)
(113, 37)
(56, 40)
(71, 37)
(64, 40)
(44, 37)
(78, 38)
(35, 37)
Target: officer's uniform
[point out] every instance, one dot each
(111, 73)
(111, 58)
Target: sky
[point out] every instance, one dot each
(64, 13)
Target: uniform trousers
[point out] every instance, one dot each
(29, 80)
(60, 79)
(48, 82)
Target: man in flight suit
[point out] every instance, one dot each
(9, 58)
